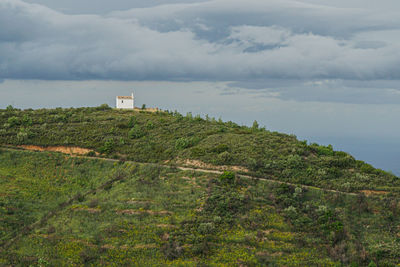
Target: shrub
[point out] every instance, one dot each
(224, 158)
(291, 212)
(149, 125)
(136, 132)
(10, 108)
(227, 176)
(132, 122)
(108, 146)
(322, 150)
(367, 168)
(206, 228)
(103, 107)
(255, 125)
(182, 143)
(294, 162)
(26, 120)
(91, 154)
(22, 135)
(13, 121)
(220, 148)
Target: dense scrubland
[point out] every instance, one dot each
(62, 210)
(170, 136)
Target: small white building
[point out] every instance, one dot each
(126, 102)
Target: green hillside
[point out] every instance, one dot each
(281, 202)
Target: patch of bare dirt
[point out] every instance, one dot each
(267, 253)
(151, 212)
(126, 247)
(373, 192)
(107, 246)
(165, 237)
(90, 210)
(63, 149)
(153, 110)
(132, 202)
(203, 165)
(139, 246)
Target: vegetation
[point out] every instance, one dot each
(312, 206)
(157, 137)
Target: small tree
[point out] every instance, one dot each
(255, 125)
(136, 132)
(108, 146)
(132, 122)
(227, 176)
(13, 121)
(10, 108)
(182, 143)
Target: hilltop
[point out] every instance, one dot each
(162, 188)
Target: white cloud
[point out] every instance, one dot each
(214, 40)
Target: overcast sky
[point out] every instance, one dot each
(325, 70)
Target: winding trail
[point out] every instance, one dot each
(29, 228)
(182, 168)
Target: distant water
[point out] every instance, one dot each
(381, 154)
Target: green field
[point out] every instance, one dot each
(161, 136)
(141, 209)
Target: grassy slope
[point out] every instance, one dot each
(163, 216)
(152, 216)
(157, 137)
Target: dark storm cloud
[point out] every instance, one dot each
(102, 6)
(333, 91)
(212, 40)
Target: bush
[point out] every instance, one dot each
(255, 126)
(367, 168)
(13, 121)
(227, 176)
(224, 158)
(26, 120)
(220, 148)
(294, 162)
(91, 154)
(136, 132)
(149, 125)
(132, 122)
(182, 143)
(103, 107)
(10, 108)
(108, 146)
(23, 135)
(322, 150)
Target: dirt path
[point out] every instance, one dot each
(65, 204)
(186, 168)
(270, 180)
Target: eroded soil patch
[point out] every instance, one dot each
(73, 150)
(203, 165)
(133, 212)
(373, 192)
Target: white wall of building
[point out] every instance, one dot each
(125, 102)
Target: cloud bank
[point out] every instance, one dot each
(221, 40)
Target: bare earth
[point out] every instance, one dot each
(62, 149)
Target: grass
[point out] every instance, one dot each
(170, 136)
(163, 216)
(58, 210)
